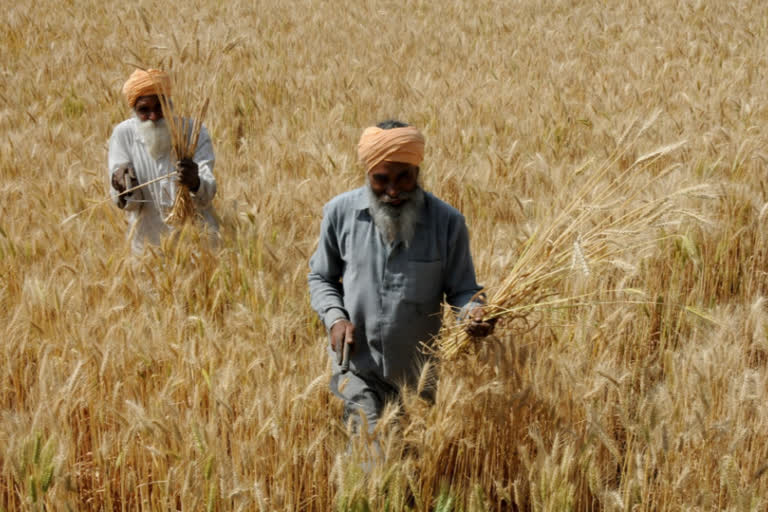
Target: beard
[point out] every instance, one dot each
(396, 222)
(157, 137)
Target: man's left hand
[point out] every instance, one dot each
(188, 175)
(479, 326)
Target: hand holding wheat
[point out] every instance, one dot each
(188, 174)
(185, 134)
(480, 325)
(580, 233)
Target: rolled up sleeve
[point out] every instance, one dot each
(119, 155)
(205, 159)
(461, 288)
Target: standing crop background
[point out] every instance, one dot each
(193, 378)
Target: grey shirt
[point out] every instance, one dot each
(390, 292)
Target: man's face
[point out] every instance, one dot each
(148, 108)
(389, 180)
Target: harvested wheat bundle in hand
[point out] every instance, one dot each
(185, 134)
(583, 234)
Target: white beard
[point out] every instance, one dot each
(156, 137)
(397, 222)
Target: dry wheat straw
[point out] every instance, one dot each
(548, 255)
(185, 134)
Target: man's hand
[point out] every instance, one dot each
(478, 326)
(188, 174)
(342, 332)
(123, 178)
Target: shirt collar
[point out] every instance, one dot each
(362, 201)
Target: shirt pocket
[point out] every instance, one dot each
(424, 282)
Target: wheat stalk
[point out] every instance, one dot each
(184, 139)
(551, 251)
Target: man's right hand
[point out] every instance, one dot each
(123, 178)
(342, 331)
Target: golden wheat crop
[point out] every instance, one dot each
(195, 378)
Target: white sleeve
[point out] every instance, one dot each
(205, 159)
(120, 156)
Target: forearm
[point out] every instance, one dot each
(326, 299)
(205, 160)
(462, 291)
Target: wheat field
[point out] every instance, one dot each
(195, 377)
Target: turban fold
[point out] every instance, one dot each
(377, 145)
(146, 83)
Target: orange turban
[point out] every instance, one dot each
(146, 83)
(377, 145)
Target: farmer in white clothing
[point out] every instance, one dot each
(140, 151)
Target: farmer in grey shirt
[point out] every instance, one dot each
(389, 253)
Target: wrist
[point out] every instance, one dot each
(334, 316)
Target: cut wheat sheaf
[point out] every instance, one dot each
(185, 134)
(579, 237)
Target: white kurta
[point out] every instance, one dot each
(148, 206)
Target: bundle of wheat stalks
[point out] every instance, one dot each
(185, 133)
(582, 235)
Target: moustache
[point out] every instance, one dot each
(159, 123)
(402, 196)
